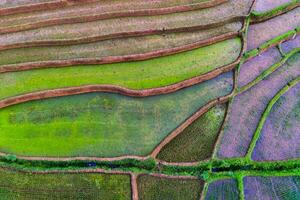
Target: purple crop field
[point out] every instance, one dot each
(280, 136)
(247, 107)
(255, 66)
(223, 190)
(264, 31)
(270, 188)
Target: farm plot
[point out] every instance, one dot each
(222, 190)
(262, 32)
(280, 135)
(247, 108)
(127, 26)
(284, 187)
(155, 187)
(20, 185)
(151, 73)
(197, 141)
(99, 10)
(255, 66)
(102, 124)
(262, 6)
(157, 45)
(290, 44)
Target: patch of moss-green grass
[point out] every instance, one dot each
(151, 73)
(196, 142)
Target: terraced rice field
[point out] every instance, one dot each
(150, 100)
(102, 124)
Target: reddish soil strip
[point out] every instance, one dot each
(78, 158)
(189, 121)
(170, 176)
(179, 163)
(98, 11)
(128, 26)
(115, 59)
(30, 6)
(116, 89)
(134, 187)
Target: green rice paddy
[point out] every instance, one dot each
(102, 124)
(151, 73)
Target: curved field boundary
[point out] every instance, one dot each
(271, 43)
(169, 176)
(109, 15)
(257, 17)
(117, 35)
(188, 122)
(154, 152)
(53, 4)
(266, 113)
(115, 89)
(115, 59)
(268, 71)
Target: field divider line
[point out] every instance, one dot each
(271, 43)
(266, 113)
(110, 15)
(68, 171)
(117, 59)
(257, 17)
(134, 187)
(78, 158)
(244, 34)
(185, 124)
(268, 71)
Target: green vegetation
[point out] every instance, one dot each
(153, 188)
(197, 141)
(151, 73)
(102, 124)
(18, 185)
